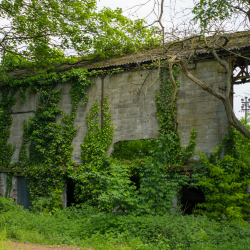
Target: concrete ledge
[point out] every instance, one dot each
(20, 170)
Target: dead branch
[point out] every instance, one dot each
(232, 120)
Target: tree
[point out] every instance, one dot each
(212, 10)
(206, 11)
(42, 33)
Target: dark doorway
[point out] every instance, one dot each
(23, 194)
(71, 193)
(190, 198)
(136, 180)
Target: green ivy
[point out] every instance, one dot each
(156, 163)
(91, 176)
(224, 178)
(100, 181)
(132, 150)
(98, 138)
(179, 154)
(9, 184)
(160, 179)
(6, 103)
(50, 149)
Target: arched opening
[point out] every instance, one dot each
(190, 197)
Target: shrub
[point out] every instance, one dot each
(224, 178)
(86, 226)
(7, 204)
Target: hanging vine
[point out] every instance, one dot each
(166, 113)
(46, 150)
(6, 103)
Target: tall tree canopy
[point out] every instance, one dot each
(43, 32)
(214, 10)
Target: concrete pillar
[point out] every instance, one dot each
(3, 182)
(174, 204)
(64, 196)
(14, 189)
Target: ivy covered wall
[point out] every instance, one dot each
(133, 108)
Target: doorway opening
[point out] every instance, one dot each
(23, 193)
(71, 200)
(190, 197)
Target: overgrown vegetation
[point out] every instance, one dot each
(87, 227)
(6, 103)
(224, 178)
(108, 183)
(138, 183)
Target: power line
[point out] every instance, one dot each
(245, 105)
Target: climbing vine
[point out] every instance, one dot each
(6, 103)
(50, 149)
(46, 150)
(179, 154)
(142, 180)
(98, 139)
(160, 174)
(90, 177)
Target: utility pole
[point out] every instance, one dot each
(245, 105)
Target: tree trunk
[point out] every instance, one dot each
(232, 120)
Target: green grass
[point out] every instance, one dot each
(86, 227)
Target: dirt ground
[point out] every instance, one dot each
(9, 245)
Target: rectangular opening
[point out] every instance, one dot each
(23, 194)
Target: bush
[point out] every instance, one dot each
(107, 187)
(86, 226)
(131, 150)
(7, 204)
(48, 204)
(224, 178)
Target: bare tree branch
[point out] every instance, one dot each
(232, 120)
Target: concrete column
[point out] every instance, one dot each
(64, 196)
(14, 189)
(3, 182)
(174, 204)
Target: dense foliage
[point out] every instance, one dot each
(43, 33)
(137, 180)
(47, 142)
(224, 178)
(131, 150)
(98, 138)
(87, 227)
(208, 11)
(242, 144)
(6, 104)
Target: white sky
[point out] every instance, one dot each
(178, 5)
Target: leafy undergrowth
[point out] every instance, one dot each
(87, 227)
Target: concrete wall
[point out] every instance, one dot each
(198, 109)
(13, 192)
(133, 111)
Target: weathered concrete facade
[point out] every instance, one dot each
(133, 108)
(199, 109)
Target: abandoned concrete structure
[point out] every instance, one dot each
(133, 106)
